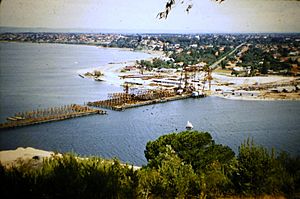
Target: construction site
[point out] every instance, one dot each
(49, 115)
(133, 96)
(122, 101)
(161, 88)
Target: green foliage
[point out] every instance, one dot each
(172, 179)
(156, 63)
(254, 168)
(261, 172)
(223, 64)
(210, 162)
(264, 68)
(256, 55)
(288, 174)
(217, 181)
(181, 165)
(70, 177)
(193, 147)
(214, 170)
(194, 56)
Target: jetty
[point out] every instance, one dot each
(122, 101)
(49, 115)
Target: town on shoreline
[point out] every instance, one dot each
(216, 75)
(232, 66)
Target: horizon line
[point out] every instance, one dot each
(14, 29)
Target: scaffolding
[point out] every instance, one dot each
(135, 96)
(50, 114)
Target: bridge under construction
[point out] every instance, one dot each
(49, 115)
(122, 101)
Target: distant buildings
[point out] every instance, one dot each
(275, 52)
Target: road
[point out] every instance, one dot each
(215, 65)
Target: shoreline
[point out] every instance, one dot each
(253, 98)
(231, 86)
(15, 157)
(112, 71)
(151, 52)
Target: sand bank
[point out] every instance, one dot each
(228, 83)
(12, 157)
(113, 70)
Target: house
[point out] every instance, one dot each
(167, 70)
(130, 68)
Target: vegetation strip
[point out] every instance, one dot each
(188, 164)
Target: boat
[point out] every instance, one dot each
(80, 75)
(197, 94)
(19, 118)
(98, 79)
(11, 119)
(189, 125)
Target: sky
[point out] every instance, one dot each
(140, 15)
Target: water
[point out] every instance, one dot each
(44, 75)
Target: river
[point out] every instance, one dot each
(44, 75)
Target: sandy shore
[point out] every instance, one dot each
(228, 83)
(112, 71)
(260, 98)
(151, 52)
(240, 81)
(220, 81)
(10, 158)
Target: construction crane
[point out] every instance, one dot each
(185, 79)
(126, 87)
(207, 77)
(181, 74)
(188, 72)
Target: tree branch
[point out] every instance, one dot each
(171, 3)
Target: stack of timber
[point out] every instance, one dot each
(49, 115)
(122, 101)
(265, 86)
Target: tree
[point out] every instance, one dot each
(256, 171)
(172, 179)
(265, 67)
(223, 64)
(195, 152)
(288, 174)
(193, 147)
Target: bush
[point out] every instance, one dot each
(262, 172)
(181, 165)
(210, 162)
(193, 147)
(172, 179)
(70, 177)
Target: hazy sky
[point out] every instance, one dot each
(140, 15)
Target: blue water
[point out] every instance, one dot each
(43, 75)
